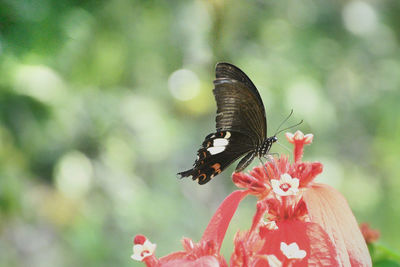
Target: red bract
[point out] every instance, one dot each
(309, 237)
(206, 252)
(329, 208)
(297, 222)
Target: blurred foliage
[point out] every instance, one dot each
(383, 257)
(103, 102)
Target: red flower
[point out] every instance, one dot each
(314, 216)
(206, 252)
(297, 222)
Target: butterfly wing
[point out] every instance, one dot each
(241, 125)
(239, 105)
(218, 151)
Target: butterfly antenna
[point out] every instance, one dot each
(297, 124)
(285, 120)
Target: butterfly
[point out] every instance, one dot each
(241, 127)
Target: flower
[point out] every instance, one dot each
(142, 248)
(206, 252)
(292, 251)
(286, 185)
(297, 222)
(299, 140)
(298, 136)
(314, 216)
(370, 235)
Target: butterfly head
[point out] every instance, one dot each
(273, 139)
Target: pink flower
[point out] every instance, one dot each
(206, 252)
(297, 222)
(299, 140)
(314, 216)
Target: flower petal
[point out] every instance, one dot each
(219, 223)
(255, 182)
(308, 138)
(295, 183)
(329, 208)
(141, 251)
(292, 251)
(273, 261)
(206, 261)
(298, 135)
(310, 237)
(286, 178)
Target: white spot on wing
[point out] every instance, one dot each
(216, 150)
(227, 135)
(220, 142)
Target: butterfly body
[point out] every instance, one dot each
(240, 123)
(266, 146)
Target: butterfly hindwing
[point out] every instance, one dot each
(218, 151)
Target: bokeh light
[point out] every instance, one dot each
(184, 84)
(103, 102)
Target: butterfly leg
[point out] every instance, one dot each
(244, 162)
(263, 164)
(269, 157)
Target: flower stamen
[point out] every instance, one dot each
(286, 185)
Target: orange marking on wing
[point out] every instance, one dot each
(216, 167)
(201, 177)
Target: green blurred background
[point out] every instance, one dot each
(103, 102)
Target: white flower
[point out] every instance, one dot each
(142, 251)
(271, 225)
(299, 136)
(273, 261)
(286, 185)
(292, 251)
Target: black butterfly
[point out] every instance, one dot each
(241, 126)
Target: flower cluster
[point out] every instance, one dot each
(297, 222)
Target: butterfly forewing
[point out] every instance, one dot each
(226, 70)
(238, 110)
